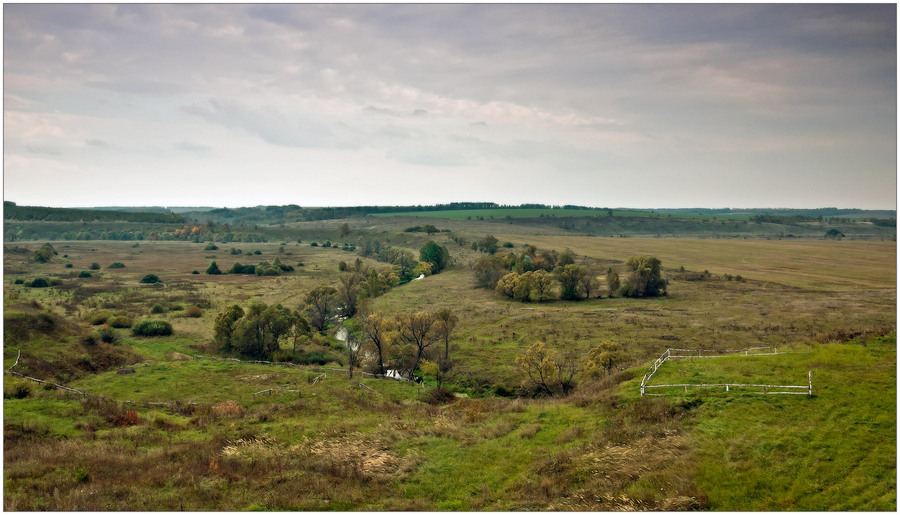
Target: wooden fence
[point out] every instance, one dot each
(770, 389)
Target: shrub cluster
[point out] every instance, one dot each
(150, 279)
(148, 327)
(116, 265)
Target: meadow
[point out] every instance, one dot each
(188, 429)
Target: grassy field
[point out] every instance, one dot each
(188, 431)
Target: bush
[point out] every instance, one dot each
(39, 282)
(116, 265)
(19, 281)
(157, 309)
(318, 358)
(84, 274)
(120, 322)
(150, 279)
(148, 327)
(68, 265)
(210, 246)
(195, 272)
(213, 269)
(95, 266)
(107, 335)
(98, 318)
(193, 312)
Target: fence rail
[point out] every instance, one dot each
(698, 353)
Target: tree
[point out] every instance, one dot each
(522, 287)
(259, 333)
(548, 371)
(435, 254)
(320, 306)
(542, 285)
(538, 366)
(487, 244)
(446, 321)
(348, 293)
(437, 369)
(566, 258)
(645, 277)
(213, 269)
(418, 330)
(601, 359)
(344, 229)
(379, 331)
(588, 283)
(224, 326)
(612, 281)
(569, 277)
(353, 344)
(834, 234)
(488, 270)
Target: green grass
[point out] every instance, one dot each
(833, 451)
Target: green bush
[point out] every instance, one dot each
(95, 266)
(19, 281)
(68, 265)
(98, 318)
(213, 269)
(116, 265)
(39, 282)
(193, 312)
(150, 279)
(211, 246)
(107, 335)
(149, 327)
(195, 272)
(84, 274)
(157, 309)
(318, 358)
(120, 322)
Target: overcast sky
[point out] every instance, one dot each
(598, 105)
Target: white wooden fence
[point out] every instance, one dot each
(770, 389)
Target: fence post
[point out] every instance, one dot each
(810, 383)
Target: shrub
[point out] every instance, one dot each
(45, 253)
(157, 309)
(19, 281)
(150, 279)
(213, 269)
(176, 307)
(116, 265)
(98, 318)
(318, 358)
(193, 312)
(210, 246)
(149, 327)
(107, 335)
(68, 265)
(39, 282)
(95, 266)
(120, 322)
(84, 274)
(195, 272)
(19, 391)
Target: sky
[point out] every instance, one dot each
(604, 105)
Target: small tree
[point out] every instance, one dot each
(418, 330)
(645, 277)
(435, 254)
(601, 359)
(488, 270)
(446, 321)
(320, 306)
(213, 269)
(612, 281)
(569, 277)
(224, 327)
(379, 331)
(542, 285)
(538, 366)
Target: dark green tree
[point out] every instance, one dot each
(644, 277)
(224, 327)
(435, 254)
(213, 269)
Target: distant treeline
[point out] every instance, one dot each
(58, 214)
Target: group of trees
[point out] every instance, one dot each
(530, 275)
(259, 331)
(547, 371)
(432, 257)
(276, 267)
(404, 342)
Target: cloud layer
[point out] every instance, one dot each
(604, 105)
